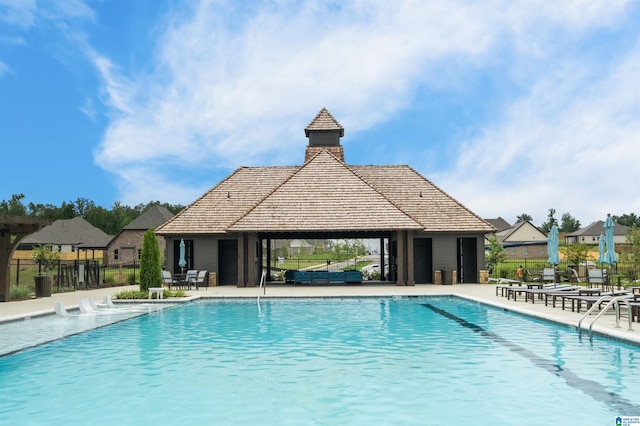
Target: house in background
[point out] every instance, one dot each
(500, 224)
(523, 241)
(126, 246)
(68, 236)
(591, 234)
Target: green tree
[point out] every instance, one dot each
(14, 206)
(150, 266)
(568, 223)
(46, 256)
(575, 253)
(629, 220)
(496, 252)
(524, 218)
(632, 256)
(546, 227)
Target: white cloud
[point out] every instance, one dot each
(569, 144)
(233, 86)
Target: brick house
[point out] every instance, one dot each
(126, 246)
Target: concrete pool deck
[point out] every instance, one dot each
(485, 293)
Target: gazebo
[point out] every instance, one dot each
(229, 229)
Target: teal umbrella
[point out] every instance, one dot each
(552, 246)
(182, 262)
(610, 255)
(601, 249)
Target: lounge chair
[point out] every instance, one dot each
(106, 300)
(59, 308)
(578, 300)
(85, 306)
(530, 293)
(504, 284)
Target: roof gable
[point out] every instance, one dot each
(324, 195)
(521, 232)
(324, 121)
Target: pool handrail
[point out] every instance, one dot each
(263, 282)
(612, 302)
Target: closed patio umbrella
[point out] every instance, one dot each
(182, 262)
(552, 246)
(610, 255)
(601, 249)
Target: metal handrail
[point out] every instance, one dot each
(611, 302)
(263, 281)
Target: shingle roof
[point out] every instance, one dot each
(324, 121)
(499, 223)
(228, 201)
(76, 231)
(597, 228)
(153, 217)
(324, 195)
(430, 206)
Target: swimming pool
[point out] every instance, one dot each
(435, 360)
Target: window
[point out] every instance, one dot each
(116, 254)
(139, 253)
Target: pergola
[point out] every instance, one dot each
(12, 230)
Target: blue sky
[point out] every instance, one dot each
(510, 107)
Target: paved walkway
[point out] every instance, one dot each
(478, 292)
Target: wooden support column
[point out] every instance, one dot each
(19, 227)
(410, 261)
(252, 260)
(242, 259)
(401, 278)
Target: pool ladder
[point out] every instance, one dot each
(612, 302)
(263, 282)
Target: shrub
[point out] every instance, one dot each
(150, 267)
(20, 293)
(139, 294)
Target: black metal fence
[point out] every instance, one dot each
(70, 275)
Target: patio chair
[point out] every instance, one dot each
(190, 277)
(168, 280)
(573, 275)
(548, 275)
(597, 277)
(200, 280)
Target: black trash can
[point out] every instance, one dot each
(43, 285)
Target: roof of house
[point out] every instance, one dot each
(597, 228)
(324, 194)
(499, 223)
(77, 232)
(520, 229)
(153, 217)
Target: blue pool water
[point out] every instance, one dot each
(436, 360)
